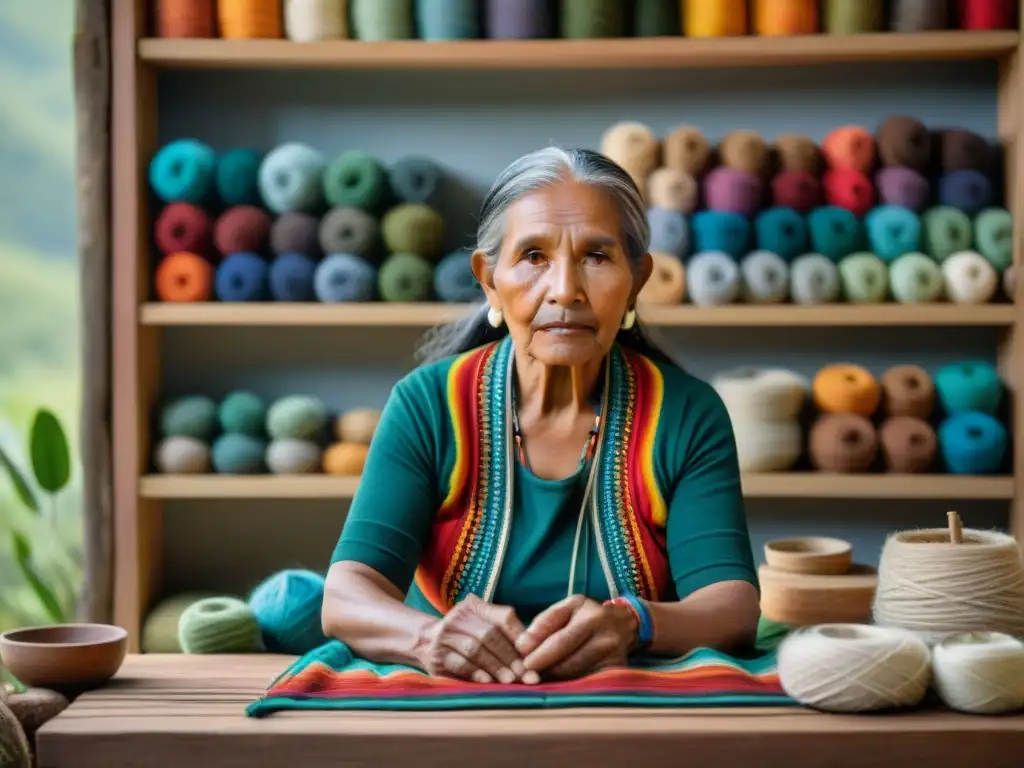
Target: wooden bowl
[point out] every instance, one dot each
(64, 657)
(809, 554)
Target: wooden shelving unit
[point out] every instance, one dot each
(137, 60)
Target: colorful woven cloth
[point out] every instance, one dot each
(331, 677)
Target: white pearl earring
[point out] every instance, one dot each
(494, 317)
(629, 320)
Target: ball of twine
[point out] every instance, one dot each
(980, 672)
(854, 667)
(934, 587)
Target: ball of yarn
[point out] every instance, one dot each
(416, 180)
(963, 150)
(160, 629)
(967, 191)
(243, 413)
(835, 232)
(293, 457)
(727, 189)
(378, 20)
(767, 446)
(969, 385)
(797, 190)
(722, 231)
(908, 445)
(519, 19)
(182, 171)
(219, 625)
(973, 443)
(843, 443)
(237, 177)
(969, 278)
(712, 279)
(896, 185)
(182, 227)
(242, 228)
(945, 231)
(182, 456)
(183, 277)
(298, 417)
(295, 233)
(764, 278)
(908, 390)
(935, 588)
(635, 148)
(592, 19)
(237, 454)
(993, 236)
(405, 277)
(667, 283)
(673, 190)
(687, 150)
(846, 388)
(813, 279)
(307, 21)
(356, 179)
(343, 277)
(454, 280)
(904, 141)
(290, 278)
(288, 606)
(656, 18)
(849, 147)
(981, 673)
(190, 416)
(761, 394)
(892, 231)
(447, 19)
(865, 278)
(357, 425)
(852, 668)
(916, 279)
(744, 151)
(854, 17)
(782, 231)
(849, 189)
(669, 231)
(346, 229)
(724, 18)
(918, 15)
(290, 178)
(413, 228)
(242, 277)
(793, 152)
(345, 459)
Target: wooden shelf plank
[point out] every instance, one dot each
(428, 314)
(779, 485)
(622, 53)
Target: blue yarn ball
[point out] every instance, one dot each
(454, 280)
(724, 231)
(835, 232)
(669, 232)
(291, 178)
(345, 277)
(242, 276)
(238, 176)
(781, 230)
(969, 386)
(967, 191)
(182, 172)
(287, 606)
(892, 231)
(291, 277)
(972, 443)
(416, 180)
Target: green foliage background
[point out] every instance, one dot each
(40, 364)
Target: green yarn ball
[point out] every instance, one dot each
(299, 417)
(944, 231)
(405, 277)
(916, 279)
(242, 413)
(219, 625)
(413, 228)
(234, 454)
(993, 234)
(160, 630)
(356, 179)
(864, 278)
(190, 416)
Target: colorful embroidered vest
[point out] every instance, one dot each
(469, 535)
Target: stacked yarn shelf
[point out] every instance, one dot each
(901, 213)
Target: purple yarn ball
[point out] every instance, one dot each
(898, 185)
(726, 189)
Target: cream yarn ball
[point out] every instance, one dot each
(980, 672)
(762, 394)
(969, 278)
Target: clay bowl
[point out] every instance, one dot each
(809, 554)
(64, 657)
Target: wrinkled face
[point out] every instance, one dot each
(563, 280)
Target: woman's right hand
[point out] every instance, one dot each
(476, 641)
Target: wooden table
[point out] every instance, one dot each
(187, 711)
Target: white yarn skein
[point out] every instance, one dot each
(306, 21)
(980, 672)
(854, 667)
(935, 588)
(768, 446)
(762, 394)
(969, 278)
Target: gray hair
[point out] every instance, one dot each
(528, 174)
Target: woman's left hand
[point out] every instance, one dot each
(578, 636)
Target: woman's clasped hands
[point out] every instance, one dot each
(485, 643)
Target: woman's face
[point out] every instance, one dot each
(563, 280)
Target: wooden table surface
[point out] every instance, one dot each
(187, 711)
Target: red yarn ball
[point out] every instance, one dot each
(988, 14)
(182, 227)
(849, 189)
(242, 228)
(796, 189)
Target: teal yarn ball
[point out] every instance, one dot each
(972, 443)
(190, 416)
(893, 231)
(219, 625)
(416, 180)
(291, 178)
(237, 177)
(235, 454)
(183, 171)
(447, 19)
(298, 417)
(357, 180)
(969, 386)
(835, 232)
(454, 280)
(287, 606)
(781, 230)
(242, 413)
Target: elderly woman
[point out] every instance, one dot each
(548, 493)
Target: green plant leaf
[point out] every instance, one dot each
(23, 556)
(20, 483)
(51, 458)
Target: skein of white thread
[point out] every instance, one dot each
(762, 394)
(980, 672)
(854, 667)
(306, 21)
(767, 446)
(935, 588)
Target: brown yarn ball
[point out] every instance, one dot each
(242, 228)
(345, 459)
(687, 150)
(744, 151)
(842, 442)
(963, 150)
(904, 141)
(793, 152)
(672, 189)
(667, 283)
(635, 148)
(357, 425)
(909, 445)
(908, 390)
(843, 388)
